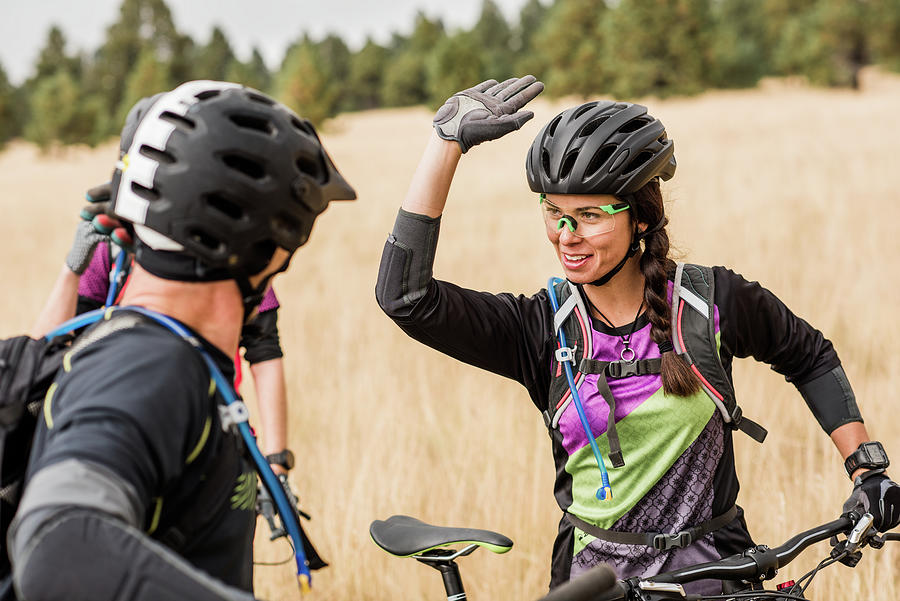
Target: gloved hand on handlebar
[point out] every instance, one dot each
(875, 493)
(487, 111)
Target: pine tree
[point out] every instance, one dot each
(657, 47)
(148, 77)
(883, 25)
(529, 55)
(739, 55)
(491, 38)
(303, 85)
(141, 24)
(253, 73)
(214, 58)
(9, 123)
(366, 76)
(571, 47)
(455, 64)
(405, 78)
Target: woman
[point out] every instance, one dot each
(597, 169)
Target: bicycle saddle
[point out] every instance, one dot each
(404, 536)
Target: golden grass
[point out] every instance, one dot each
(785, 184)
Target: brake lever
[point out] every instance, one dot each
(847, 551)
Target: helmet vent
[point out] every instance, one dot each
(207, 94)
(144, 192)
(177, 120)
(248, 167)
(260, 98)
(545, 161)
(582, 110)
(598, 160)
(639, 160)
(591, 127)
(302, 126)
(253, 122)
(225, 206)
(205, 239)
(312, 168)
(633, 125)
(157, 155)
(567, 165)
(551, 129)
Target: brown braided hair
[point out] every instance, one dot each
(655, 264)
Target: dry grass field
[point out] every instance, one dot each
(787, 185)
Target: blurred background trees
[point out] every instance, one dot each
(625, 49)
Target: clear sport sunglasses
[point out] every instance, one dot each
(587, 221)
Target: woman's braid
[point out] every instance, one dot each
(647, 205)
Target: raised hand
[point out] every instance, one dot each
(97, 225)
(487, 111)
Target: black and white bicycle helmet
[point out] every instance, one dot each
(223, 175)
(600, 147)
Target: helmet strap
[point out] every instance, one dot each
(252, 295)
(632, 249)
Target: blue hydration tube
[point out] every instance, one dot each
(238, 412)
(605, 491)
(114, 278)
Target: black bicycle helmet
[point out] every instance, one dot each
(216, 177)
(600, 147)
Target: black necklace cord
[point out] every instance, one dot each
(626, 340)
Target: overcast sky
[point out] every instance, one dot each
(269, 25)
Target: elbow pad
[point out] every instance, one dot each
(77, 554)
(406, 263)
(260, 338)
(831, 399)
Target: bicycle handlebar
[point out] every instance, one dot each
(585, 587)
(756, 561)
(595, 584)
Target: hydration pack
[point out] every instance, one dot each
(693, 339)
(27, 369)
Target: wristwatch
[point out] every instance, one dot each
(283, 458)
(869, 455)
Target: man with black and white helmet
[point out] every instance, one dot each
(135, 490)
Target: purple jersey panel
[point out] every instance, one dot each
(94, 282)
(269, 301)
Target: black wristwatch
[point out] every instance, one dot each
(283, 458)
(869, 455)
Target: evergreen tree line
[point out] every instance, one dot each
(618, 48)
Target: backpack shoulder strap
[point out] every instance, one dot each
(572, 316)
(694, 339)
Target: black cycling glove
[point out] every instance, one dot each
(97, 225)
(486, 111)
(875, 493)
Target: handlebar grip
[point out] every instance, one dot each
(586, 587)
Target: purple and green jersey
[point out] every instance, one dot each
(679, 459)
(671, 447)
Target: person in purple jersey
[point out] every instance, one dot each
(597, 169)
